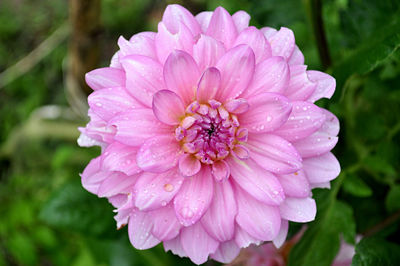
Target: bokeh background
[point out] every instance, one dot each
(46, 218)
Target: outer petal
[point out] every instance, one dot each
(237, 68)
(305, 119)
(219, 220)
(260, 220)
(92, 176)
(166, 226)
(98, 130)
(143, 77)
(322, 168)
(243, 239)
(300, 87)
(297, 57)
(106, 77)
(181, 75)
(208, 85)
(274, 153)
(139, 44)
(197, 244)
(281, 237)
(295, 184)
(282, 43)
(268, 111)
(121, 158)
(326, 85)
(331, 125)
(315, 144)
(154, 191)
(271, 75)
(203, 18)
(256, 40)
(167, 42)
(241, 20)
(222, 27)
(134, 127)
(299, 210)
(115, 184)
(175, 246)
(259, 183)
(226, 252)
(139, 230)
(174, 15)
(158, 154)
(106, 103)
(207, 51)
(168, 107)
(194, 197)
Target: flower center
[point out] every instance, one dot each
(209, 132)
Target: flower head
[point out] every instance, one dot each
(210, 137)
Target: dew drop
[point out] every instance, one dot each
(168, 187)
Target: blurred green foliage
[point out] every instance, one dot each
(48, 219)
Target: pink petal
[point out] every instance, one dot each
(295, 184)
(107, 103)
(281, 237)
(282, 43)
(305, 119)
(268, 32)
(299, 210)
(243, 239)
(256, 40)
(219, 220)
(194, 197)
(167, 42)
(143, 77)
(220, 170)
(168, 107)
(226, 252)
(268, 112)
(241, 20)
(184, 85)
(118, 200)
(106, 77)
(237, 68)
(115, 184)
(139, 230)
(197, 244)
(208, 85)
(300, 87)
(321, 169)
(274, 153)
(175, 246)
(92, 176)
(154, 190)
(121, 158)
(115, 61)
(315, 144)
(271, 75)
(331, 125)
(260, 220)
(166, 226)
(98, 130)
(174, 15)
(158, 154)
(207, 51)
(135, 126)
(189, 165)
(260, 184)
(321, 185)
(222, 27)
(237, 106)
(326, 85)
(139, 44)
(297, 58)
(203, 18)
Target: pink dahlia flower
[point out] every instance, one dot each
(210, 136)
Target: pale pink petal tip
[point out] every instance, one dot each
(210, 138)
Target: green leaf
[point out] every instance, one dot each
(320, 243)
(379, 165)
(356, 186)
(375, 251)
(370, 54)
(72, 207)
(393, 199)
